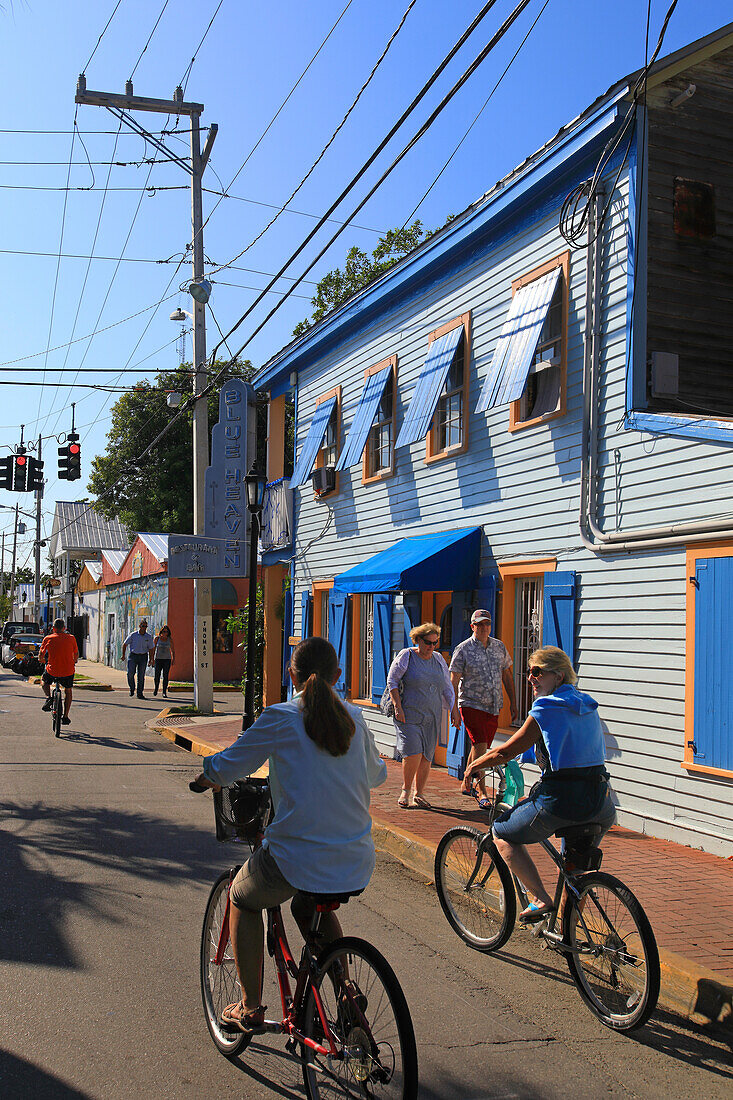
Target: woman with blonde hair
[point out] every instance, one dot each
(323, 762)
(420, 686)
(564, 727)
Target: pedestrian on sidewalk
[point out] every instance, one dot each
(162, 658)
(323, 764)
(140, 643)
(565, 729)
(419, 686)
(478, 669)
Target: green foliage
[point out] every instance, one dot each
(157, 496)
(360, 269)
(238, 623)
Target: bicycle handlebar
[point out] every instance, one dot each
(197, 788)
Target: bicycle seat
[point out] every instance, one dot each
(575, 832)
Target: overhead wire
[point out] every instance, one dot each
(104, 31)
(150, 38)
(183, 82)
(330, 141)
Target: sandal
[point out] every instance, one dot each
(420, 803)
(535, 913)
(404, 800)
(251, 1023)
(484, 803)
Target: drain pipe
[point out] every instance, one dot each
(592, 536)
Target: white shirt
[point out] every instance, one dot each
(320, 836)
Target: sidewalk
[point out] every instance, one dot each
(687, 894)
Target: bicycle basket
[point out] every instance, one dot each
(241, 810)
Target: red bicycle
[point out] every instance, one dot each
(346, 1017)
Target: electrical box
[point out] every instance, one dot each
(665, 374)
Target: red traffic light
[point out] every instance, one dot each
(74, 448)
(20, 460)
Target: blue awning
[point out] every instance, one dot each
(313, 442)
(429, 386)
(364, 418)
(426, 563)
(512, 359)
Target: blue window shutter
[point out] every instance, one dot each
(287, 632)
(312, 444)
(513, 355)
(461, 608)
(338, 634)
(713, 744)
(382, 651)
(558, 612)
(364, 418)
(486, 597)
(412, 610)
(306, 615)
(429, 386)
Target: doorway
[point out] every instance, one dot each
(435, 608)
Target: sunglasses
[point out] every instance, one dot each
(536, 671)
(426, 642)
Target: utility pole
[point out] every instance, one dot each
(2, 569)
(37, 578)
(119, 105)
(12, 567)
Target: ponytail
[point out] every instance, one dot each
(327, 722)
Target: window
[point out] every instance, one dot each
(449, 431)
(708, 725)
(521, 623)
(330, 444)
(543, 396)
(378, 461)
(312, 448)
(223, 640)
(362, 646)
(321, 591)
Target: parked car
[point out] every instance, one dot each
(20, 653)
(15, 627)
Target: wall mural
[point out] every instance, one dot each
(145, 598)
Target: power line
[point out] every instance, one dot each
(104, 31)
(330, 141)
(183, 82)
(127, 259)
(150, 37)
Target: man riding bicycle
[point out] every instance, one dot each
(60, 653)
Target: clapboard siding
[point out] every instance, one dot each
(522, 488)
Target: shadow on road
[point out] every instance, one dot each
(49, 853)
(707, 1045)
(21, 1078)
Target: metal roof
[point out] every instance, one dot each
(115, 558)
(94, 569)
(156, 544)
(76, 526)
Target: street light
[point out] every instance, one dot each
(200, 290)
(254, 485)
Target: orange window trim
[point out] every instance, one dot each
(700, 550)
(563, 261)
(355, 654)
(509, 572)
(366, 477)
(432, 453)
(319, 587)
(320, 462)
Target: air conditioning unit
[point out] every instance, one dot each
(324, 480)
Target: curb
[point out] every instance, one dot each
(691, 991)
(85, 687)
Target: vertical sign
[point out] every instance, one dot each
(232, 453)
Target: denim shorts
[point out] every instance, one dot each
(530, 822)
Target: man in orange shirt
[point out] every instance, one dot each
(61, 654)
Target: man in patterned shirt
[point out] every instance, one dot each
(478, 668)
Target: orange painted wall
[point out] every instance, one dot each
(227, 666)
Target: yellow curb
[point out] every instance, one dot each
(174, 733)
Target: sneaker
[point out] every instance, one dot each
(165, 694)
(65, 721)
(155, 691)
(141, 696)
(131, 693)
(47, 705)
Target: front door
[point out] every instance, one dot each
(434, 605)
(110, 639)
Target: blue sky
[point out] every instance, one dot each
(247, 65)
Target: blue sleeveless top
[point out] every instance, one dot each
(572, 736)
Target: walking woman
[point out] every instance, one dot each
(323, 763)
(163, 655)
(420, 686)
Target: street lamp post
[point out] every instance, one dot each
(255, 489)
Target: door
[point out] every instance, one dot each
(110, 638)
(436, 609)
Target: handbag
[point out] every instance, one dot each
(386, 705)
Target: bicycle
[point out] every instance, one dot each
(347, 1015)
(605, 935)
(57, 708)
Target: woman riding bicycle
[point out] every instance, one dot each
(322, 762)
(564, 727)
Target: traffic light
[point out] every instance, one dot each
(6, 472)
(70, 459)
(35, 474)
(20, 472)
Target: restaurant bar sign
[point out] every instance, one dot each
(223, 551)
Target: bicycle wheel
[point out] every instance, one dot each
(219, 983)
(58, 709)
(370, 1024)
(615, 961)
(475, 889)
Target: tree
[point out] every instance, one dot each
(360, 270)
(157, 495)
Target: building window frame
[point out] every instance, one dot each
(362, 656)
(329, 450)
(699, 550)
(511, 572)
(368, 475)
(320, 590)
(435, 451)
(517, 418)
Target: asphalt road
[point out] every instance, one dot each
(105, 867)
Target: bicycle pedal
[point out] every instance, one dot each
(291, 1046)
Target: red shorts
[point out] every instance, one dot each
(480, 725)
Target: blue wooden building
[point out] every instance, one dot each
(533, 412)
